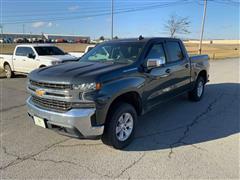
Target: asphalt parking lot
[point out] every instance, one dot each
(179, 139)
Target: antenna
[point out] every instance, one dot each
(140, 37)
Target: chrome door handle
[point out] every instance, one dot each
(168, 71)
(166, 74)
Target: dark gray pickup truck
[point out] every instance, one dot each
(104, 92)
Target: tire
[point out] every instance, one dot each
(197, 93)
(117, 133)
(8, 71)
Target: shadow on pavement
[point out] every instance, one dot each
(181, 122)
(2, 76)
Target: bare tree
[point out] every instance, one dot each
(177, 25)
(102, 38)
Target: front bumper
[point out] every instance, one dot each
(75, 122)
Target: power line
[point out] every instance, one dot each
(220, 2)
(224, 2)
(91, 9)
(101, 14)
(80, 8)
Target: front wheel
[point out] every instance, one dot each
(120, 127)
(198, 91)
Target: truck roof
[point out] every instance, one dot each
(142, 39)
(34, 45)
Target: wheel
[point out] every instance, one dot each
(120, 126)
(197, 93)
(8, 71)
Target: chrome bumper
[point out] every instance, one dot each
(75, 119)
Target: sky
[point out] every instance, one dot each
(131, 18)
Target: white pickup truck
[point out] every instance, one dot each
(28, 57)
(80, 54)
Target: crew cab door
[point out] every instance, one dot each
(179, 67)
(18, 59)
(158, 79)
(169, 79)
(24, 59)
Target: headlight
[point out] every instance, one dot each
(87, 87)
(56, 62)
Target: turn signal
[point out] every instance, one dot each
(98, 86)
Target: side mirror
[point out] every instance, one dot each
(153, 63)
(32, 56)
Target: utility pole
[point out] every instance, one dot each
(1, 27)
(23, 28)
(112, 21)
(202, 30)
(31, 37)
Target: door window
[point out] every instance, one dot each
(48, 50)
(24, 51)
(20, 51)
(175, 51)
(156, 52)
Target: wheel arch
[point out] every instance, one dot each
(6, 63)
(42, 66)
(203, 74)
(131, 97)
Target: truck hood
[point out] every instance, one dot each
(73, 72)
(66, 57)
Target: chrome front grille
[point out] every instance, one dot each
(50, 104)
(51, 85)
(56, 97)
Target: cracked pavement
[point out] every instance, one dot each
(179, 139)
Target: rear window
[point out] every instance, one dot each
(175, 51)
(48, 50)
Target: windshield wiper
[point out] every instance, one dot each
(124, 61)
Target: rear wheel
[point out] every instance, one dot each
(120, 127)
(197, 93)
(8, 71)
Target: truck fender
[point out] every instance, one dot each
(112, 90)
(115, 88)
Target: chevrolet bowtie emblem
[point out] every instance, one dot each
(40, 92)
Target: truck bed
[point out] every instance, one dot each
(199, 58)
(4, 57)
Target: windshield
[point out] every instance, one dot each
(118, 52)
(48, 50)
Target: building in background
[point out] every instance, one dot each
(41, 38)
(59, 38)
